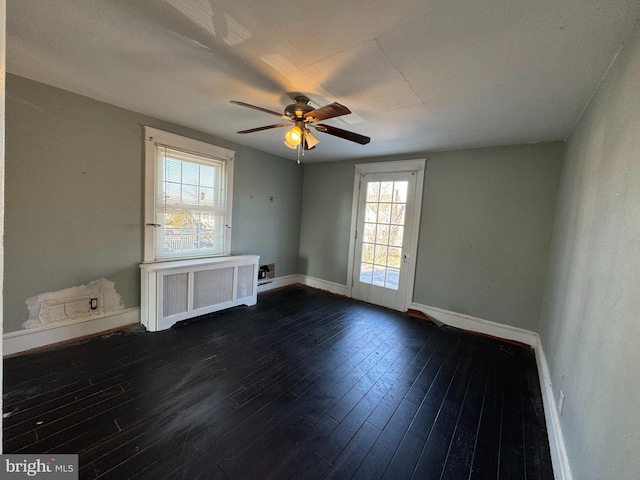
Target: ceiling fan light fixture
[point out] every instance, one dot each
(310, 138)
(289, 144)
(294, 136)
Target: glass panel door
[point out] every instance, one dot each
(383, 238)
(383, 233)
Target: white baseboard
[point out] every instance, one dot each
(559, 457)
(279, 282)
(478, 325)
(31, 338)
(320, 284)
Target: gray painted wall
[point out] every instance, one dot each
(74, 196)
(326, 220)
(485, 233)
(590, 326)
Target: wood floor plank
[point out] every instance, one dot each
(432, 400)
(458, 462)
(436, 449)
(486, 454)
(512, 462)
(379, 456)
(350, 458)
(349, 426)
(393, 398)
(303, 385)
(405, 458)
(67, 412)
(292, 453)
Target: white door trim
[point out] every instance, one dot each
(415, 165)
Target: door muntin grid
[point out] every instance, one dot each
(383, 233)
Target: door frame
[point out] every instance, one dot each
(415, 165)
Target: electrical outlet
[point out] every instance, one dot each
(560, 402)
(93, 304)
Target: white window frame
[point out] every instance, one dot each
(154, 137)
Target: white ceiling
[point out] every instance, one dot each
(418, 75)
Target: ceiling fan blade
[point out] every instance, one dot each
(267, 127)
(328, 111)
(338, 132)
(265, 110)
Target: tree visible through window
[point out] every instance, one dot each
(191, 200)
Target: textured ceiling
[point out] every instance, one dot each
(418, 75)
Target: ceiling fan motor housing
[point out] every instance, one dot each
(298, 109)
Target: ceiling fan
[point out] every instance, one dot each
(303, 117)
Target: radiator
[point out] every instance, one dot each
(178, 290)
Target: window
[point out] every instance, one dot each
(188, 194)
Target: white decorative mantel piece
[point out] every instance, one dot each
(95, 299)
(178, 290)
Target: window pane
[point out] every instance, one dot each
(367, 252)
(392, 278)
(205, 196)
(395, 257)
(397, 214)
(373, 191)
(172, 170)
(190, 173)
(400, 194)
(380, 255)
(383, 234)
(172, 193)
(207, 175)
(371, 212)
(378, 275)
(366, 273)
(369, 233)
(386, 191)
(384, 213)
(190, 195)
(395, 235)
(190, 231)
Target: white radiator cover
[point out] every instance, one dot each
(177, 290)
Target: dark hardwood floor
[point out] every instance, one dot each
(303, 385)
